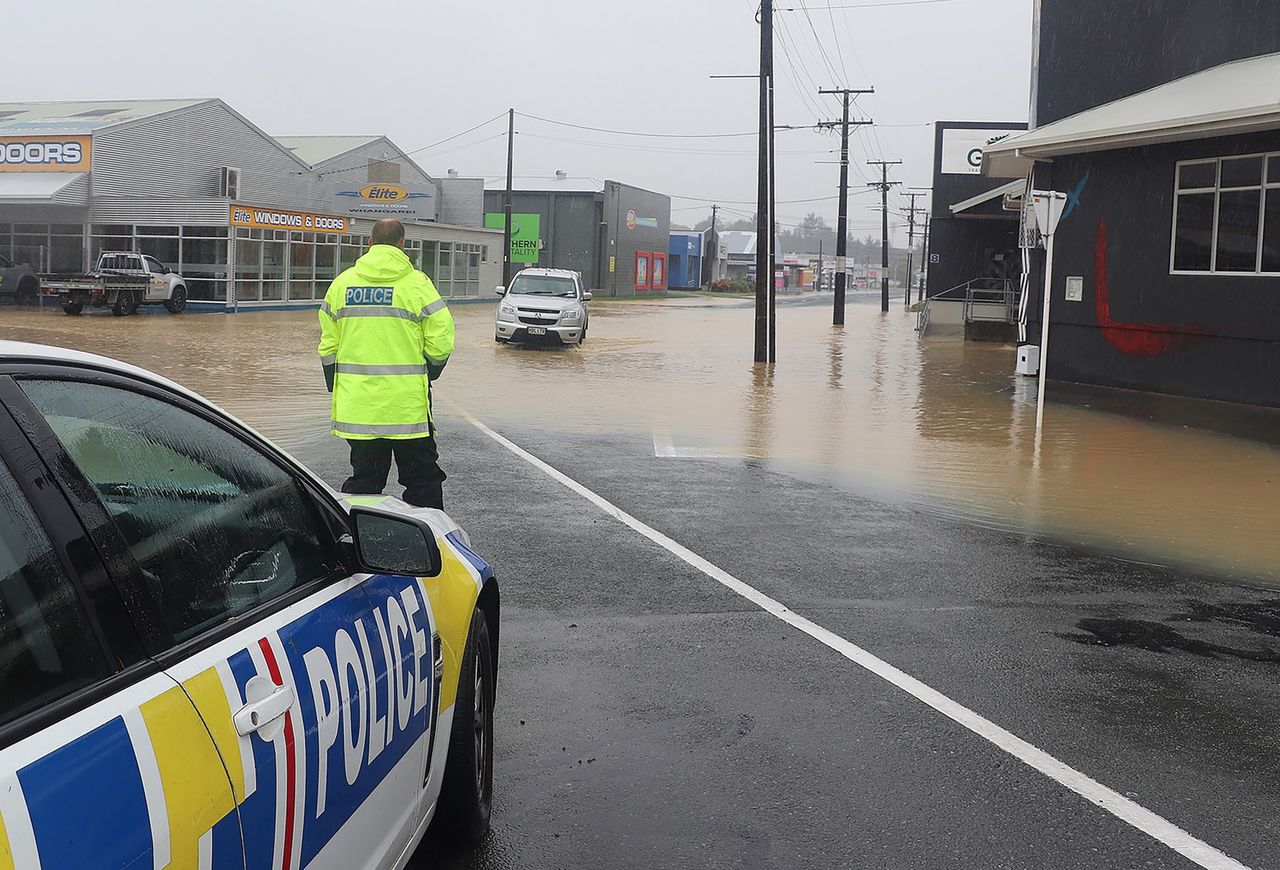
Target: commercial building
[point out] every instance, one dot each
(684, 259)
(615, 234)
(971, 234)
(1157, 122)
(251, 220)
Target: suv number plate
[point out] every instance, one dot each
(537, 330)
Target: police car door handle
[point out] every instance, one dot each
(260, 714)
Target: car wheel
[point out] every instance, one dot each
(499, 339)
(122, 307)
(72, 307)
(178, 301)
(466, 796)
(28, 291)
(582, 336)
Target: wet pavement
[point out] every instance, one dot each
(880, 486)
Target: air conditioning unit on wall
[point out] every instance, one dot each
(229, 182)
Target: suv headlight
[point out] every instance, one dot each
(506, 310)
(571, 315)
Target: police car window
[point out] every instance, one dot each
(216, 527)
(45, 646)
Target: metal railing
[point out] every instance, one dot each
(976, 292)
(990, 292)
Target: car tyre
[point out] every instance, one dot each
(466, 796)
(123, 307)
(499, 339)
(178, 301)
(72, 308)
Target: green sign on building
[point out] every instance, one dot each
(526, 234)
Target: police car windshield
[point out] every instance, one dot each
(541, 285)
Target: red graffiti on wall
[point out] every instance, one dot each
(1136, 339)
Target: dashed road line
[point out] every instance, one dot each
(1128, 811)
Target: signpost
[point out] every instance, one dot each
(1048, 206)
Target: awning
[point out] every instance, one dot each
(1013, 188)
(44, 188)
(1236, 97)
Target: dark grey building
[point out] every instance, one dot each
(971, 235)
(1154, 119)
(615, 234)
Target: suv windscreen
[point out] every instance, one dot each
(543, 285)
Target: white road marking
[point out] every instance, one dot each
(1157, 827)
(665, 448)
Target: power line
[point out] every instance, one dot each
(496, 117)
(637, 133)
(870, 5)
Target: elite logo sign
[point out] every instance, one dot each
(45, 153)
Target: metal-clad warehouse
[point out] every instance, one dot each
(615, 234)
(248, 219)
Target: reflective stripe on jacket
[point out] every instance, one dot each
(384, 327)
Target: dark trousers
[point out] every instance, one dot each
(417, 460)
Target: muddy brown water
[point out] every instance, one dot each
(940, 423)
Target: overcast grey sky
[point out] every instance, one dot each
(422, 71)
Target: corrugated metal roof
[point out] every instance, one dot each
(40, 187)
(1235, 97)
(314, 150)
(81, 117)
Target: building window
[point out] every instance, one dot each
(1226, 216)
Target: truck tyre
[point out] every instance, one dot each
(28, 291)
(466, 795)
(177, 301)
(124, 305)
(72, 307)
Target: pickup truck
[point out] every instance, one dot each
(18, 280)
(123, 281)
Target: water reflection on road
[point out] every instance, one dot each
(941, 422)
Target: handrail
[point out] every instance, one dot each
(973, 292)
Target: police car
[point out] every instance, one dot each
(209, 659)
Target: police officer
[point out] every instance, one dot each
(385, 335)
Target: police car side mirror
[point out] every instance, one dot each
(391, 543)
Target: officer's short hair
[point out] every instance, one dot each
(387, 231)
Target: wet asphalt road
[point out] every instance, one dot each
(649, 717)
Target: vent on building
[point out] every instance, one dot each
(4, 116)
(96, 113)
(229, 182)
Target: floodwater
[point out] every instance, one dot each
(940, 423)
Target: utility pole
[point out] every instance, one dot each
(884, 184)
(842, 225)
(911, 240)
(711, 251)
(924, 258)
(764, 218)
(773, 231)
(817, 283)
(506, 199)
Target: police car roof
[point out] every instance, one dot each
(22, 351)
(559, 273)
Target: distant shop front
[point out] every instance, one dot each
(248, 225)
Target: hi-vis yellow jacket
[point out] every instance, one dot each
(387, 332)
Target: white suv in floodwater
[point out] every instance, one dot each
(543, 305)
